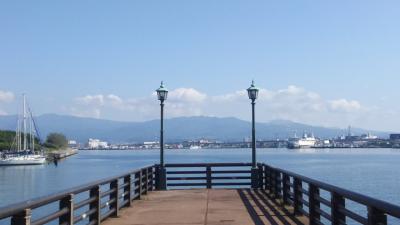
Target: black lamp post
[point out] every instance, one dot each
(253, 94)
(162, 94)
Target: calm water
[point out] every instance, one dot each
(373, 172)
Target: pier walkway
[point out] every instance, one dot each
(203, 194)
(206, 207)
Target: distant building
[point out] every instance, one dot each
(96, 144)
(352, 138)
(394, 137)
(73, 144)
(151, 144)
(205, 141)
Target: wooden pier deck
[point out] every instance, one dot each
(206, 207)
(136, 198)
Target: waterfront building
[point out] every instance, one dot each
(96, 144)
(151, 144)
(395, 137)
(73, 144)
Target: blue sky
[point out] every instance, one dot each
(324, 63)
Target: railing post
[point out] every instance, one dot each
(254, 178)
(277, 184)
(285, 188)
(298, 196)
(154, 178)
(209, 177)
(261, 177)
(162, 178)
(265, 177)
(157, 177)
(337, 202)
(146, 181)
(23, 218)
(273, 183)
(67, 202)
(151, 181)
(115, 196)
(128, 190)
(313, 204)
(269, 175)
(140, 184)
(376, 217)
(95, 217)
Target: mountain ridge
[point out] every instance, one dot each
(176, 129)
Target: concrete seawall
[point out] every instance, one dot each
(60, 154)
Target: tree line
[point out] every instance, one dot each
(53, 141)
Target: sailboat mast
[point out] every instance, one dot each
(24, 115)
(30, 134)
(32, 137)
(18, 134)
(33, 142)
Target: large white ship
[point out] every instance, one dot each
(307, 141)
(195, 147)
(23, 150)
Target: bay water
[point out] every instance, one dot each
(373, 172)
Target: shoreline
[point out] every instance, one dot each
(153, 149)
(61, 154)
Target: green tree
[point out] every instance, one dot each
(56, 140)
(8, 142)
(6, 139)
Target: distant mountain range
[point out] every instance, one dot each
(176, 129)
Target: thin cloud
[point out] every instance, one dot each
(3, 113)
(345, 105)
(96, 100)
(91, 113)
(181, 102)
(6, 96)
(291, 103)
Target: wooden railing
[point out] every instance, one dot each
(324, 203)
(92, 202)
(208, 175)
(321, 202)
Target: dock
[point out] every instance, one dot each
(204, 194)
(61, 154)
(207, 207)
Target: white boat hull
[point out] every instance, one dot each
(23, 160)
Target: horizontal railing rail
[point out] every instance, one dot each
(324, 202)
(321, 202)
(94, 202)
(208, 175)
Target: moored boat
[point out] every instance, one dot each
(23, 150)
(29, 159)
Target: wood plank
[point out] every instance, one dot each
(206, 207)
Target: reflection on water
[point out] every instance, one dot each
(372, 172)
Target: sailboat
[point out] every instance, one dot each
(24, 152)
